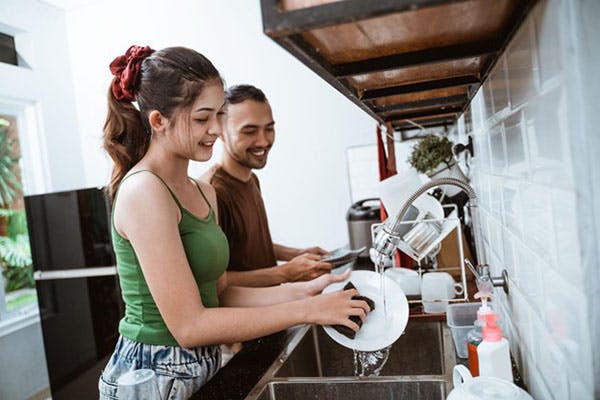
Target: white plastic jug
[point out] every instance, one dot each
(482, 388)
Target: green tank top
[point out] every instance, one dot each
(207, 253)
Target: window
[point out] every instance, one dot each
(8, 49)
(17, 287)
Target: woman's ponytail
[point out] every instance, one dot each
(126, 139)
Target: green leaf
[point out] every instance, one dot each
(429, 152)
(15, 252)
(9, 182)
(17, 224)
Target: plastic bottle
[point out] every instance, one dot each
(475, 335)
(493, 352)
(474, 338)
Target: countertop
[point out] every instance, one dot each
(249, 365)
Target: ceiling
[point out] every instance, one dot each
(401, 61)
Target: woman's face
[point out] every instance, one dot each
(195, 130)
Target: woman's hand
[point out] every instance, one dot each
(336, 308)
(316, 286)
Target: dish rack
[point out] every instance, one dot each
(424, 236)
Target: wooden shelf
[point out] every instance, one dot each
(398, 60)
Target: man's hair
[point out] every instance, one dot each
(239, 93)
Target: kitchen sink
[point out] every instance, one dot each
(419, 366)
(354, 389)
(419, 351)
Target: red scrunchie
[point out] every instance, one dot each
(126, 68)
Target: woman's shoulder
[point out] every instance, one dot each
(209, 192)
(143, 188)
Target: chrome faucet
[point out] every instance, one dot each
(388, 237)
(484, 280)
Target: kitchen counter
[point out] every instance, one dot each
(237, 379)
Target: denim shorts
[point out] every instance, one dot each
(180, 372)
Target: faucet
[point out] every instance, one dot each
(387, 238)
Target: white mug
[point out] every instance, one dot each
(408, 279)
(436, 288)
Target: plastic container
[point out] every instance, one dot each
(460, 319)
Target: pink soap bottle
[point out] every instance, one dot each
(493, 352)
(475, 335)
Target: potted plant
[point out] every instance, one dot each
(433, 156)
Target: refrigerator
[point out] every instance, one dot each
(77, 287)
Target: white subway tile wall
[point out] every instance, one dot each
(522, 173)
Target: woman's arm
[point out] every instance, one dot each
(147, 215)
(238, 296)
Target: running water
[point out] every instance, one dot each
(380, 269)
(370, 363)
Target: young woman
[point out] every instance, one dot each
(171, 254)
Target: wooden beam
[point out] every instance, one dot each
(278, 23)
(433, 102)
(416, 58)
(420, 87)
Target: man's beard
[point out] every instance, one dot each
(249, 161)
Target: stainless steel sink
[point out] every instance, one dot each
(354, 389)
(419, 351)
(315, 367)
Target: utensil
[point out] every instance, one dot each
(343, 256)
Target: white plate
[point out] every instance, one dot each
(428, 204)
(379, 329)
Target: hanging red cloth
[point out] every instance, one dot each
(387, 168)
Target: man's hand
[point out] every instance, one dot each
(305, 267)
(314, 250)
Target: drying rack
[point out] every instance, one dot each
(447, 226)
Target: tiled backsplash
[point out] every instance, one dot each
(523, 175)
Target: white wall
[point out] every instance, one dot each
(305, 181)
(46, 87)
(535, 134)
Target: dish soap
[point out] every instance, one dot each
(493, 352)
(475, 335)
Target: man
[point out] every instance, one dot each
(248, 134)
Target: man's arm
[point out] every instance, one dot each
(285, 253)
(257, 278)
(302, 268)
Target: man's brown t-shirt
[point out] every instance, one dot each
(243, 218)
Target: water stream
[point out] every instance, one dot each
(370, 363)
(380, 269)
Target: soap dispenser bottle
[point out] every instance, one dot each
(475, 335)
(493, 352)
